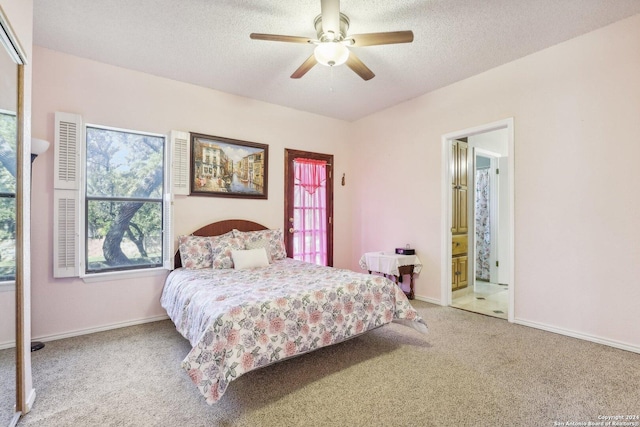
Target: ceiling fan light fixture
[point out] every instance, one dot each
(331, 53)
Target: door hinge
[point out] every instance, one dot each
(497, 171)
(330, 219)
(497, 263)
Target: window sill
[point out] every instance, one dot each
(9, 286)
(124, 275)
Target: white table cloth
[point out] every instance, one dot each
(389, 262)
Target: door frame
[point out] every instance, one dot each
(446, 208)
(289, 156)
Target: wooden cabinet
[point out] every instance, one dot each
(460, 187)
(460, 213)
(459, 268)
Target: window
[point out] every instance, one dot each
(112, 203)
(7, 196)
(123, 200)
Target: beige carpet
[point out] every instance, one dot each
(7, 386)
(470, 370)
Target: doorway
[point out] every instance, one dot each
(309, 206)
(490, 289)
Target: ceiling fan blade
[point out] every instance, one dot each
(358, 67)
(374, 39)
(280, 38)
(330, 10)
(306, 66)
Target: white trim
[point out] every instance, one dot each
(10, 41)
(8, 286)
(445, 228)
(79, 332)
(123, 130)
(7, 344)
(428, 299)
(445, 237)
(121, 275)
(579, 335)
(46, 338)
(30, 400)
(15, 419)
(166, 203)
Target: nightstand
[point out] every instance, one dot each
(393, 266)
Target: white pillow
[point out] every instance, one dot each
(262, 243)
(250, 258)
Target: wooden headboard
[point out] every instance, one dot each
(218, 228)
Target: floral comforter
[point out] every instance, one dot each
(240, 320)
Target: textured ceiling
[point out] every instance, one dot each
(206, 42)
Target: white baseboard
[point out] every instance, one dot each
(428, 299)
(15, 419)
(103, 328)
(12, 344)
(579, 335)
(18, 414)
(556, 330)
(7, 344)
(31, 399)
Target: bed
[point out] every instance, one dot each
(246, 315)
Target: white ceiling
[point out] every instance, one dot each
(206, 42)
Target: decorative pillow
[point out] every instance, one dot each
(275, 237)
(250, 258)
(262, 243)
(195, 252)
(221, 247)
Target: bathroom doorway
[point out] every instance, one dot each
(489, 256)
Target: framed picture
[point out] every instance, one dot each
(223, 167)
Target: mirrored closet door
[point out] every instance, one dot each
(11, 346)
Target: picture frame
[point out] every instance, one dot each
(225, 167)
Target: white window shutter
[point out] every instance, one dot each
(180, 162)
(66, 233)
(68, 135)
(66, 183)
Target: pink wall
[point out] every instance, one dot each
(117, 97)
(576, 108)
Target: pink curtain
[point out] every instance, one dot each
(310, 211)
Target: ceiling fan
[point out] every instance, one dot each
(332, 44)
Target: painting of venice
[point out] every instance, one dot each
(228, 168)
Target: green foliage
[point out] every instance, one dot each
(121, 168)
(118, 162)
(8, 132)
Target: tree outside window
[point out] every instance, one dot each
(7, 196)
(124, 188)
